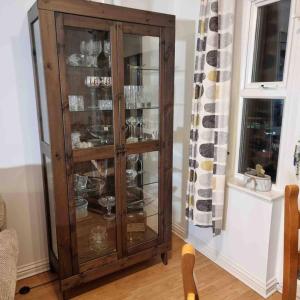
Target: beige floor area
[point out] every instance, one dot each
(151, 280)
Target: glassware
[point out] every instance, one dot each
(108, 202)
(130, 177)
(80, 182)
(132, 122)
(132, 159)
(76, 103)
(106, 48)
(140, 123)
(75, 137)
(97, 239)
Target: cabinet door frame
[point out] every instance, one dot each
(164, 144)
(81, 155)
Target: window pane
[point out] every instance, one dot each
(41, 82)
(95, 204)
(142, 197)
(271, 41)
(141, 90)
(51, 201)
(260, 137)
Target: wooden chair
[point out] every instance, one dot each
(187, 267)
(291, 255)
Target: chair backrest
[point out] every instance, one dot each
(291, 254)
(187, 267)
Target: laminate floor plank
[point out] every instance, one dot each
(151, 280)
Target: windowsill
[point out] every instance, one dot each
(237, 184)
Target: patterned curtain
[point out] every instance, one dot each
(210, 113)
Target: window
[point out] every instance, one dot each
(263, 93)
(260, 136)
(270, 41)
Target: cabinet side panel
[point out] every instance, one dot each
(42, 114)
(56, 132)
(167, 98)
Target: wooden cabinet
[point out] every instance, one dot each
(104, 87)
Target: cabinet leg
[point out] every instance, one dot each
(164, 258)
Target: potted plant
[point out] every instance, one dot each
(257, 180)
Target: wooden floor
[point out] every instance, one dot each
(151, 280)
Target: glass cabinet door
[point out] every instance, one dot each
(86, 69)
(95, 203)
(142, 197)
(141, 87)
(87, 54)
(141, 63)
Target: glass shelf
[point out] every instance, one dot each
(141, 68)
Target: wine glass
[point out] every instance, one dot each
(108, 202)
(132, 159)
(140, 123)
(106, 48)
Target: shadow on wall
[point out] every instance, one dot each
(21, 189)
(184, 62)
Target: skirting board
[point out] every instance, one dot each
(34, 268)
(262, 288)
(178, 230)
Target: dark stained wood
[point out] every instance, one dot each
(48, 37)
(67, 139)
(291, 256)
(167, 99)
(77, 264)
(44, 148)
(140, 29)
(92, 264)
(106, 11)
(142, 147)
(104, 152)
(86, 22)
(117, 97)
(123, 263)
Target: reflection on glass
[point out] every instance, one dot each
(260, 137)
(94, 198)
(51, 203)
(271, 41)
(41, 82)
(141, 90)
(89, 81)
(142, 197)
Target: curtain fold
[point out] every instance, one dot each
(210, 114)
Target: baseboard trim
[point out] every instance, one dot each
(265, 289)
(34, 268)
(178, 230)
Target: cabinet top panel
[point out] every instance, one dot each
(106, 11)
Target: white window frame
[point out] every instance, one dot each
(264, 90)
(248, 84)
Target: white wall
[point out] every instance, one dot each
(20, 171)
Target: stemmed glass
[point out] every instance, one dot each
(108, 202)
(106, 50)
(140, 123)
(132, 122)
